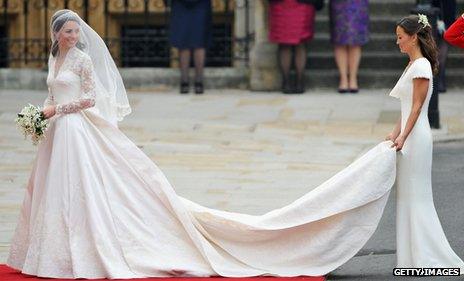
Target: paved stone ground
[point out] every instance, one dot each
(230, 149)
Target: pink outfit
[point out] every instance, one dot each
(291, 22)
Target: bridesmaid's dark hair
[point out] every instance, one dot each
(58, 23)
(428, 47)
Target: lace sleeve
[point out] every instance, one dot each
(50, 100)
(87, 99)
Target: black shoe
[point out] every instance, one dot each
(184, 87)
(342, 90)
(199, 88)
(286, 89)
(299, 88)
(353, 90)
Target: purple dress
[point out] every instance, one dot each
(349, 22)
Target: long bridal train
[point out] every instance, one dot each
(110, 212)
(97, 207)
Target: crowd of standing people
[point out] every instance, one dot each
(291, 27)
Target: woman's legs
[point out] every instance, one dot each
(341, 58)
(285, 62)
(300, 65)
(184, 64)
(354, 57)
(199, 61)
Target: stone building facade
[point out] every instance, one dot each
(128, 26)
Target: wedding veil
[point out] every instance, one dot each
(111, 100)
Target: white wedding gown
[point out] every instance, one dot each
(97, 207)
(421, 241)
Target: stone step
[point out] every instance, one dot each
(377, 24)
(393, 60)
(371, 78)
(381, 63)
(379, 42)
(382, 24)
(159, 80)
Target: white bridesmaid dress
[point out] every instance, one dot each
(421, 241)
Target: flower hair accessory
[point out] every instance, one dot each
(423, 20)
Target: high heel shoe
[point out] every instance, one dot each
(184, 88)
(299, 87)
(199, 88)
(285, 88)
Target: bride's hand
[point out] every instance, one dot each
(49, 111)
(398, 143)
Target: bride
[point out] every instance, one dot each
(97, 207)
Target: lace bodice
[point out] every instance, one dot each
(72, 87)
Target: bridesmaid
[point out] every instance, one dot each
(455, 33)
(349, 30)
(420, 239)
(291, 26)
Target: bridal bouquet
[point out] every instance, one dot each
(31, 121)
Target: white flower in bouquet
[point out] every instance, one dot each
(32, 122)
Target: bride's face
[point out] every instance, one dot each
(69, 34)
(405, 42)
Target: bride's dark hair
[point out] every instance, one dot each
(57, 23)
(428, 47)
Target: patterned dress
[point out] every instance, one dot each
(349, 22)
